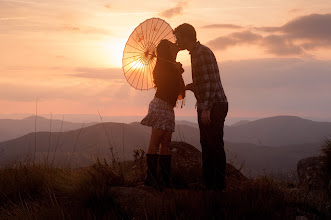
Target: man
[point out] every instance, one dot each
(212, 106)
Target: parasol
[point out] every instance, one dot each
(139, 55)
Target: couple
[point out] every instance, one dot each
(212, 107)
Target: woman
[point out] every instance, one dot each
(169, 86)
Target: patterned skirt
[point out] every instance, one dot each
(160, 115)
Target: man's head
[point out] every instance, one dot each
(185, 36)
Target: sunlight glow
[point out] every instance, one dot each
(112, 50)
(137, 64)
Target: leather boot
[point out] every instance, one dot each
(165, 168)
(151, 173)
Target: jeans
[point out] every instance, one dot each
(212, 145)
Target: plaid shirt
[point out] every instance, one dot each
(206, 77)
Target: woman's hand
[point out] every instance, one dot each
(179, 67)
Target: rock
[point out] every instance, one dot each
(184, 155)
(311, 173)
(140, 202)
(186, 165)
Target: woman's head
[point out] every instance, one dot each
(167, 50)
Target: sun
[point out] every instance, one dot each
(112, 51)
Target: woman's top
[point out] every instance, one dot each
(168, 82)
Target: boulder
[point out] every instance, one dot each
(186, 165)
(311, 173)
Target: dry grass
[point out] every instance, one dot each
(35, 191)
(326, 155)
(39, 191)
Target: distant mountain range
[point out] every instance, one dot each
(278, 131)
(13, 128)
(267, 145)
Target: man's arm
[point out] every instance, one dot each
(209, 80)
(190, 87)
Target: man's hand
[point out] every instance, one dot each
(205, 117)
(189, 87)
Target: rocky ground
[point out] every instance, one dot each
(112, 190)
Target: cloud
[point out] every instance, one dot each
(78, 91)
(237, 38)
(312, 27)
(260, 87)
(85, 30)
(282, 85)
(222, 26)
(61, 57)
(12, 18)
(295, 10)
(26, 93)
(273, 44)
(108, 6)
(99, 73)
(177, 10)
(296, 37)
(281, 45)
(23, 2)
(312, 30)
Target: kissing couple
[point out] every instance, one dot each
(212, 108)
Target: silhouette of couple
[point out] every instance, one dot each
(212, 108)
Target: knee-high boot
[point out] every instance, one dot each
(151, 173)
(165, 168)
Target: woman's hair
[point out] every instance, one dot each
(165, 64)
(163, 57)
(163, 50)
(187, 31)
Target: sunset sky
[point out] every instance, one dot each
(274, 56)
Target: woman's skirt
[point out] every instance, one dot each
(160, 115)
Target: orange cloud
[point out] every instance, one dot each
(85, 30)
(177, 10)
(256, 87)
(222, 26)
(99, 73)
(296, 37)
(236, 38)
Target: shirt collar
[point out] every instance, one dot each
(195, 48)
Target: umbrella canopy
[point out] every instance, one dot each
(139, 55)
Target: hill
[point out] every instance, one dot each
(278, 161)
(13, 128)
(274, 131)
(241, 122)
(279, 131)
(82, 146)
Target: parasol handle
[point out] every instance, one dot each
(153, 55)
(166, 60)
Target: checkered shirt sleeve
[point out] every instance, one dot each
(206, 77)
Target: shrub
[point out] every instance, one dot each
(326, 155)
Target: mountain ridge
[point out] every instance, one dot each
(13, 128)
(279, 131)
(85, 144)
